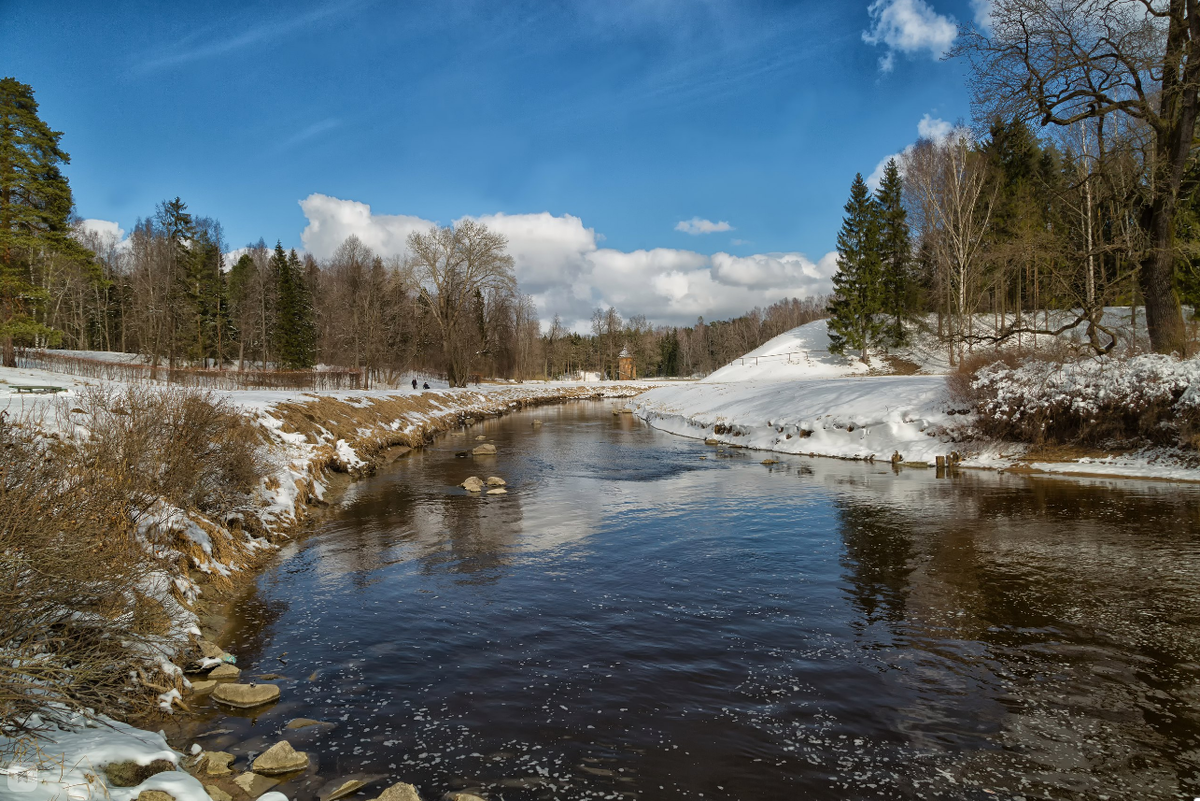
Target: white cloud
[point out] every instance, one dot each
(909, 26)
(928, 128)
(105, 229)
(559, 262)
(696, 226)
(983, 13)
(933, 128)
(331, 220)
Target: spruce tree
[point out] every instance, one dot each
(304, 336)
(895, 250)
(35, 204)
(285, 308)
(855, 321)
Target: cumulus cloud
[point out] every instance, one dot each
(929, 127)
(696, 226)
(105, 229)
(909, 27)
(559, 262)
(983, 13)
(331, 220)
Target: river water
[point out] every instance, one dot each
(634, 621)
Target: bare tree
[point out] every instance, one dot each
(453, 266)
(1063, 61)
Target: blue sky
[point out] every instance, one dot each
(556, 121)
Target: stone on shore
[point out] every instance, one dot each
(280, 758)
(154, 795)
(399, 792)
(203, 686)
(210, 650)
(487, 449)
(472, 484)
(246, 696)
(216, 793)
(344, 789)
(254, 785)
(496, 481)
(216, 763)
(711, 441)
(131, 774)
(225, 671)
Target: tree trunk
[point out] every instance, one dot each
(1156, 276)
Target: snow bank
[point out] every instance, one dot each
(802, 352)
(855, 418)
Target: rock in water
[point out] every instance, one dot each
(497, 491)
(453, 796)
(472, 484)
(280, 758)
(225, 671)
(399, 792)
(480, 438)
(246, 696)
(255, 785)
(487, 449)
(537, 423)
(304, 723)
(202, 687)
(344, 789)
(496, 481)
(216, 763)
(216, 793)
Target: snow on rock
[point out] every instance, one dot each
(856, 418)
(66, 763)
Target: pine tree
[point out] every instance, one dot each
(855, 321)
(35, 203)
(895, 250)
(304, 337)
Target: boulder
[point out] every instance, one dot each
(399, 792)
(304, 723)
(344, 789)
(154, 795)
(481, 438)
(131, 774)
(216, 793)
(246, 696)
(497, 491)
(210, 650)
(487, 449)
(496, 481)
(537, 423)
(225, 671)
(254, 785)
(472, 484)
(216, 763)
(280, 758)
(202, 687)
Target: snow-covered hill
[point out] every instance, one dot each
(800, 353)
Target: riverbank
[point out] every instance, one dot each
(910, 421)
(309, 441)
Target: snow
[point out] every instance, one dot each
(853, 418)
(800, 353)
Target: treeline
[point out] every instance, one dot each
(450, 306)
(1008, 225)
(1099, 207)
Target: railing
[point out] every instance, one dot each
(84, 367)
(803, 357)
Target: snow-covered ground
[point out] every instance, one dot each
(792, 396)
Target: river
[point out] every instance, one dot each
(635, 621)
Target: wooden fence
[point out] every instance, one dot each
(128, 372)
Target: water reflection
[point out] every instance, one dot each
(632, 621)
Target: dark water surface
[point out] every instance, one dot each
(631, 621)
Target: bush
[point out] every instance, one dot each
(85, 590)
(1149, 399)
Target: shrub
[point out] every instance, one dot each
(1149, 398)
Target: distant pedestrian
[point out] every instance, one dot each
(414, 383)
(426, 385)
